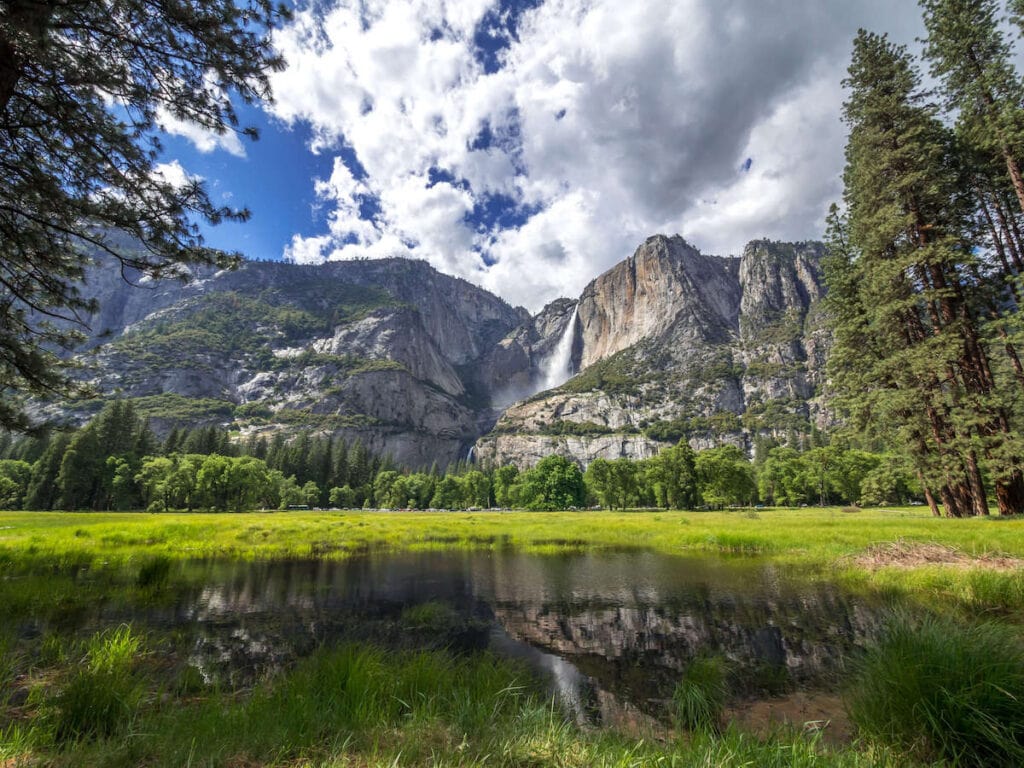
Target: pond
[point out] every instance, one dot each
(611, 632)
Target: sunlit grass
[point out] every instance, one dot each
(798, 533)
(104, 701)
(816, 541)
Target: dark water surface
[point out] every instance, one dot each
(612, 632)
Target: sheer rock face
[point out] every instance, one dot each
(389, 352)
(669, 344)
(666, 284)
(676, 345)
(782, 286)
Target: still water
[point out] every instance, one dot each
(612, 633)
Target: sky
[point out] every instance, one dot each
(529, 145)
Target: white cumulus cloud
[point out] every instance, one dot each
(203, 139)
(174, 173)
(603, 123)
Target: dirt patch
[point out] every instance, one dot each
(911, 554)
(811, 711)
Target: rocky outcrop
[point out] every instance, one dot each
(394, 335)
(525, 450)
(670, 344)
(666, 284)
(387, 351)
(783, 343)
(676, 345)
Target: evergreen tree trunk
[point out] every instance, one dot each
(979, 500)
(1000, 248)
(1016, 240)
(932, 505)
(1010, 494)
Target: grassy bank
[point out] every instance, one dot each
(357, 706)
(976, 568)
(810, 534)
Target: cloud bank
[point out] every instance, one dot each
(529, 147)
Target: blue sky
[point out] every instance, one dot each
(529, 146)
(273, 179)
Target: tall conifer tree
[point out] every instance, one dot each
(911, 352)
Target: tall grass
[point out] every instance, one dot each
(16, 744)
(101, 699)
(360, 706)
(699, 698)
(8, 661)
(352, 696)
(113, 651)
(942, 690)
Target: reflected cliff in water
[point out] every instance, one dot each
(612, 632)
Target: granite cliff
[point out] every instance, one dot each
(670, 344)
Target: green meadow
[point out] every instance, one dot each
(810, 535)
(126, 696)
(967, 562)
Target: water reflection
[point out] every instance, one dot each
(613, 632)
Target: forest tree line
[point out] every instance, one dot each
(115, 462)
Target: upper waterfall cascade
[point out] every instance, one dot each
(558, 367)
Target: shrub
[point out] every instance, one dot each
(699, 698)
(943, 690)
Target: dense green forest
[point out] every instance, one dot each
(116, 463)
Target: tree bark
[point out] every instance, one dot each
(997, 241)
(1010, 494)
(928, 496)
(979, 501)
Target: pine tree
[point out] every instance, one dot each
(77, 177)
(172, 444)
(339, 463)
(81, 471)
(911, 353)
(43, 490)
(969, 53)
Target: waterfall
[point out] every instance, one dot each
(558, 367)
(470, 453)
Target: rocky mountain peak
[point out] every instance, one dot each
(665, 282)
(780, 275)
(675, 344)
(668, 344)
